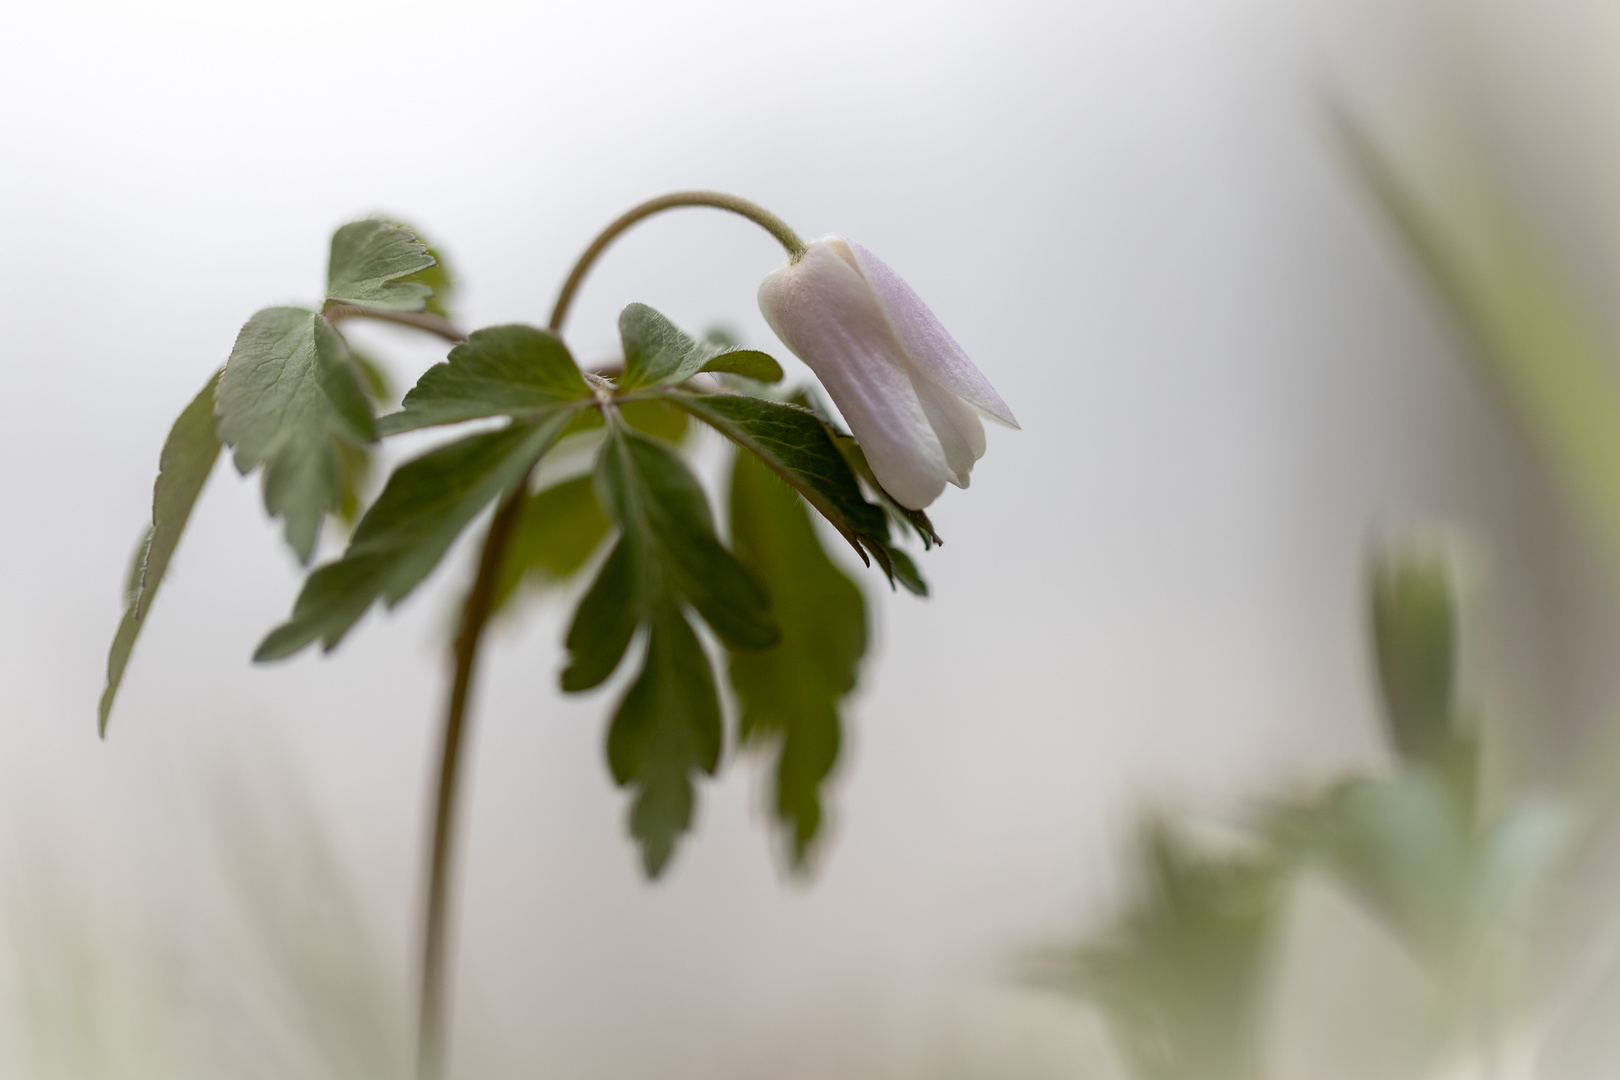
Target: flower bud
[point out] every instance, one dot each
(908, 392)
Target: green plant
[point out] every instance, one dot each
(295, 403)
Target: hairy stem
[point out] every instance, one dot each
(431, 1031)
(433, 1017)
(418, 320)
(718, 200)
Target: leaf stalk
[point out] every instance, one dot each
(417, 320)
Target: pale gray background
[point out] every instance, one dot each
(1130, 213)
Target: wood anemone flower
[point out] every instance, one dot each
(909, 393)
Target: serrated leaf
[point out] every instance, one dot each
(667, 726)
(658, 353)
(437, 277)
(188, 457)
(790, 693)
(513, 370)
(421, 511)
(792, 441)
(288, 396)
(667, 556)
(560, 527)
(368, 263)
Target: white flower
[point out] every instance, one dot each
(909, 393)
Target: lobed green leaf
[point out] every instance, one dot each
(498, 371)
(288, 397)
(187, 459)
(667, 727)
(1181, 977)
(421, 511)
(369, 263)
(667, 557)
(790, 693)
(438, 277)
(658, 353)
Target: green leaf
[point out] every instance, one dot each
(747, 363)
(1414, 619)
(667, 726)
(356, 477)
(368, 265)
(905, 572)
(373, 377)
(1464, 891)
(498, 371)
(288, 397)
(437, 277)
(606, 620)
(1181, 979)
(657, 353)
(794, 443)
(656, 417)
(559, 529)
(667, 556)
(790, 693)
(188, 457)
(421, 511)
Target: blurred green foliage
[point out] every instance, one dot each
(1471, 888)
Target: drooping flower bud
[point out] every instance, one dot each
(909, 393)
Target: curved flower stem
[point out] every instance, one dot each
(718, 200)
(432, 1025)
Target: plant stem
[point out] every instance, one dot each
(433, 1026)
(419, 320)
(718, 200)
(431, 1033)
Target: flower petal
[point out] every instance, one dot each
(826, 312)
(955, 423)
(933, 351)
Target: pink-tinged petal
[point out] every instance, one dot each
(933, 351)
(824, 310)
(957, 426)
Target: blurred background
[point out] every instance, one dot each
(1242, 351)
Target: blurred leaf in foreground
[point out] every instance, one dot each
(1181, 977)
(561, 527)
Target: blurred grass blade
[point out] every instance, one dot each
(1542, 349)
